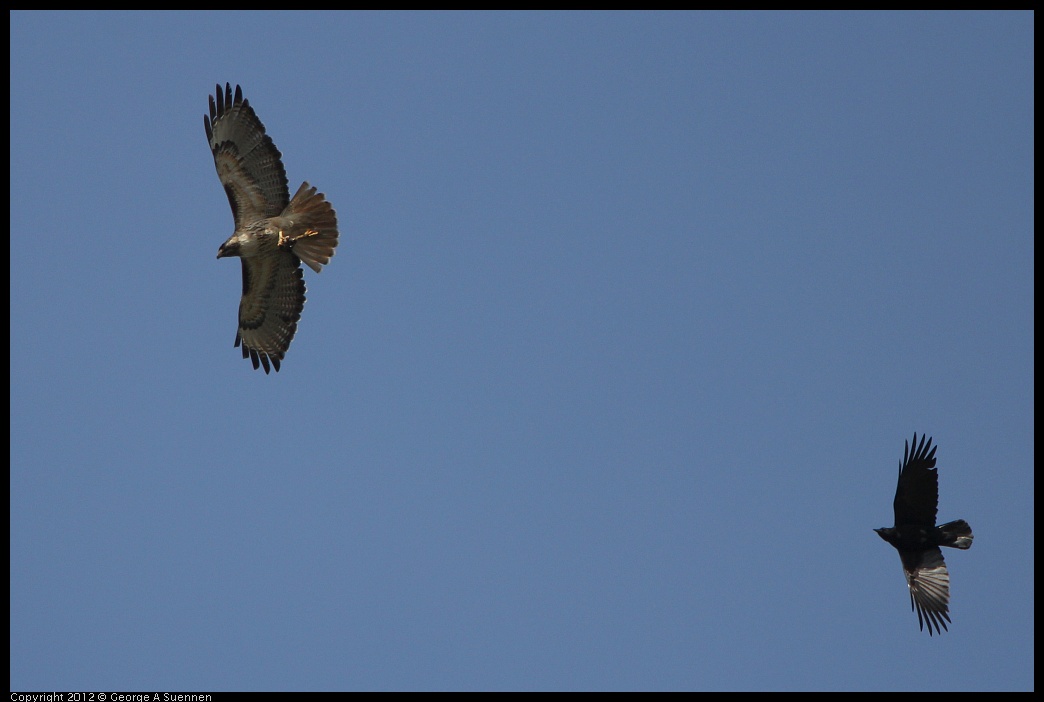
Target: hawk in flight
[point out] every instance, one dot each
(273, 232)
(917, 538)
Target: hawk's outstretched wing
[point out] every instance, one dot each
(273, 297)
(248, 163)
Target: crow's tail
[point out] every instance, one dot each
(955, 534)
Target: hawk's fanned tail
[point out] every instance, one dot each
(313, 227)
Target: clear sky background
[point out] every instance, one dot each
(605, 388)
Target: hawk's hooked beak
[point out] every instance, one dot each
(228, 249)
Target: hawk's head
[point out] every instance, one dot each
(242, 243)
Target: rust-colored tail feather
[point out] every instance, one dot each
(317, 223)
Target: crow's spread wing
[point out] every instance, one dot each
(917, 494)
(929, 583)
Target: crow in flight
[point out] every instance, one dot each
(917, 539)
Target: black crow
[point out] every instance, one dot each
(917, 539)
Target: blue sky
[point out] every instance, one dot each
(605, 388)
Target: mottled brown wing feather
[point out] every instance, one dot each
(248, 163)
(273, 297)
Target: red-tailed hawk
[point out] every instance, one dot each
(273, 233)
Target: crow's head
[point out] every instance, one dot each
(888, 534)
